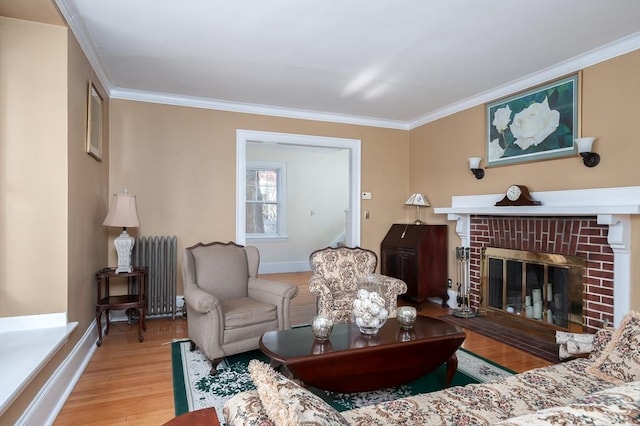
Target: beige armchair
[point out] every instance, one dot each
(228, 306)
(334, 280)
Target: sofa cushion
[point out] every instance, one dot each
(615, 406)
(288, 404)
(620, 361)
(486, 403)
(600, 341)
(245, 408)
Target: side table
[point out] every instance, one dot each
(132, 300)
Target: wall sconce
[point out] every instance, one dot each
(474, 165)
(417, 200)
(589, 158)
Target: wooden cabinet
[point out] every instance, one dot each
(417, 254)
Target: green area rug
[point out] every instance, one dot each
(194, 388)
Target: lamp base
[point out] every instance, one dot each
(124, 245)
(418, 222)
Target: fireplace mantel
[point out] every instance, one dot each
(580, 202)
(611, 206)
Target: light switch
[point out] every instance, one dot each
(366, 195)
(366, 214)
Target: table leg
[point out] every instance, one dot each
(140, 324)
(98, 317)
(452, 367)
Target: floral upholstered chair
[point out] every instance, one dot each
(335, 276)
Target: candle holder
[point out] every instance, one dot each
(321, 327)
(406, 316)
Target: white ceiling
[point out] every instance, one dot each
(395, 63)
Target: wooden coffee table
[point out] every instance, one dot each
(353, 362)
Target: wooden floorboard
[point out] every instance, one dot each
(130, 383)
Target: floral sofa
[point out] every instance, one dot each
(599, 390)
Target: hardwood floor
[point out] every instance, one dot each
(130, 383)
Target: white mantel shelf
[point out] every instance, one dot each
(581, 202)
(611, 206)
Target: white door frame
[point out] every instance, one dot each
(353, 145)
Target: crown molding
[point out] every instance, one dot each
(601, 54)
(85, 43)
(207, 103)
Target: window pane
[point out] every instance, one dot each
(270, 218)
(262, 206)
(254, 221)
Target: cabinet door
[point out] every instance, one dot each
(402, 264)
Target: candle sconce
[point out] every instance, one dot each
(585, 149)
(474, 165)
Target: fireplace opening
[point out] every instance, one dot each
(539, 292)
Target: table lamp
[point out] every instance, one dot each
(123, 213)
(417, 200)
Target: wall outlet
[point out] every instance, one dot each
(366, 195)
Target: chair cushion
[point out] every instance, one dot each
(288, 404)
(243, 312)
(222, 269)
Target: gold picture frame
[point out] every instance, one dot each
(94, 123)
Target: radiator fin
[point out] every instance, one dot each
(159, 254)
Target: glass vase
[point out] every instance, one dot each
(369, 306)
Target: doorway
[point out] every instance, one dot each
(285, 141)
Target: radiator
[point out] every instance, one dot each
(159, 254)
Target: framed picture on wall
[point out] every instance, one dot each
(538, 124)
(94, 123)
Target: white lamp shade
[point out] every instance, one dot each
(474, 162)
(585, 144)
(417, 199)
(122, 212)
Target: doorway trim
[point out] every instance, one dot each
(353, 145)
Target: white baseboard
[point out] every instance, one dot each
(45, 407)
(281, 267)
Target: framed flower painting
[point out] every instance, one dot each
(537, 124)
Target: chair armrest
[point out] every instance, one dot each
(200, 300)
(271, 291)
(397, 285)
(393, 288)
(319, 287)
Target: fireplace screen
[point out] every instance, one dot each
(541, 287)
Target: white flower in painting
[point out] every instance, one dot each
(495, 150)
(533, 124)
(501, 119)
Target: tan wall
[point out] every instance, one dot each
(88, 192)
(33, 168)
(610, 93)
(53, 195)
(180, 163)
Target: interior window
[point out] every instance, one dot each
(265, 200)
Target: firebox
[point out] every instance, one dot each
(537, 291)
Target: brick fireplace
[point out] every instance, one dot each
(572, 236)
(591, 223)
